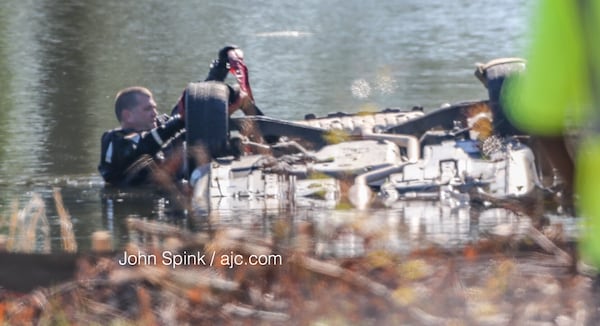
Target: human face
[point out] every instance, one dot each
(142, 116)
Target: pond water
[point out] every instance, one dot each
(61, 63)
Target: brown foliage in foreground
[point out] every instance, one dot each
(487, 283)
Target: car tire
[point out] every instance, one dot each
(207, 120)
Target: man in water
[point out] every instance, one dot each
(144, 139)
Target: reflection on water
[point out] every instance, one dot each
(402, 226)
(61, 63)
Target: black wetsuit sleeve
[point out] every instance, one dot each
(152, 141)
(126, 154)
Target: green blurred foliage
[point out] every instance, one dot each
(561, 91)
(555, 89)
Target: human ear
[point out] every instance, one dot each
(125, 115)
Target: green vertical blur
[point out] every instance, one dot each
(560, 91)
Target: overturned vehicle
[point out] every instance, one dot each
(394, 153)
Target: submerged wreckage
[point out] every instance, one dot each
(395, 153)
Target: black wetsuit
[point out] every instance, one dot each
(128, 155)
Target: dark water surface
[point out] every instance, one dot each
(61, 63)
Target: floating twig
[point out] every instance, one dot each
(66, 226)
(545, 243)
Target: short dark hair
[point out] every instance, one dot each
(127, 98)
